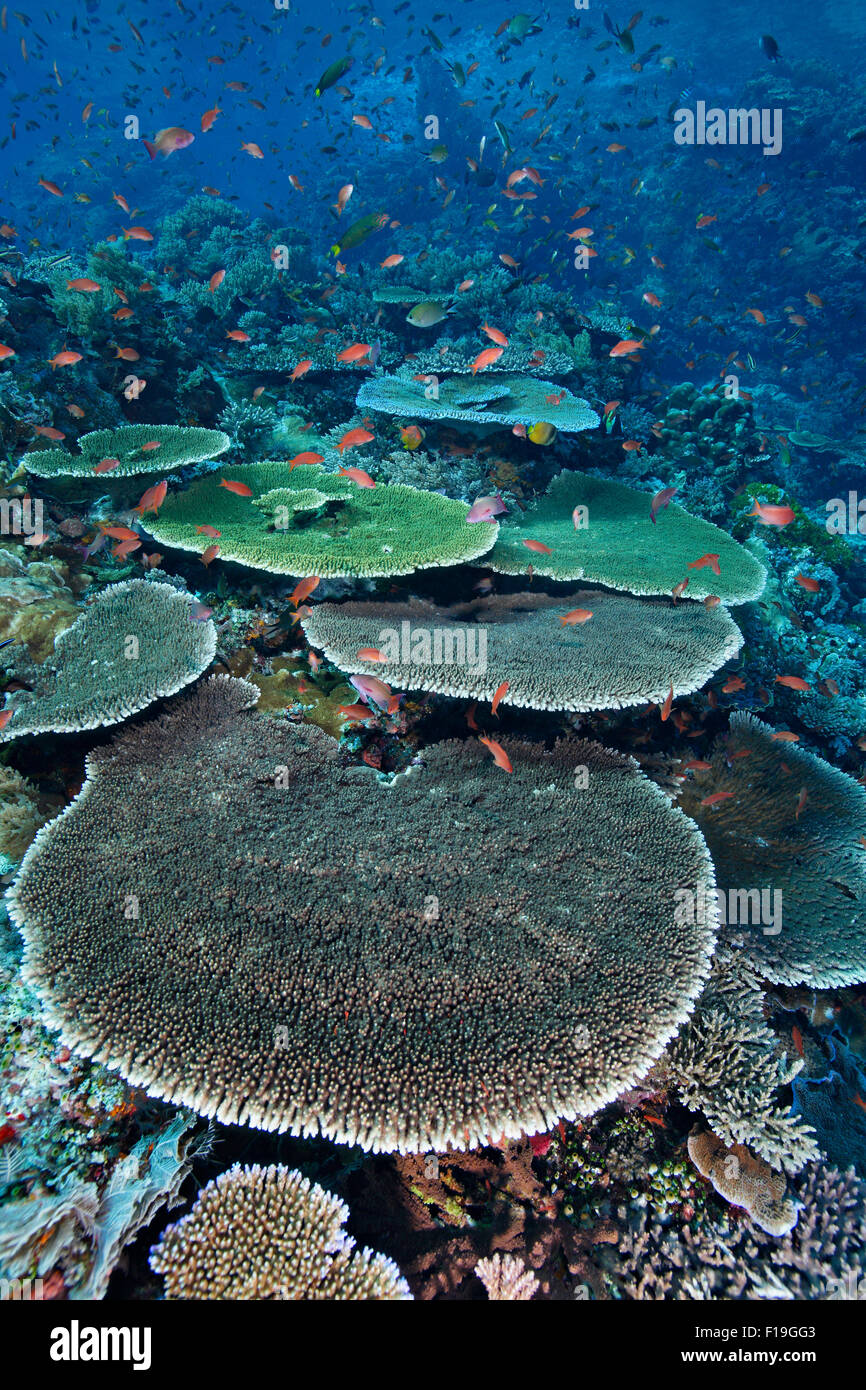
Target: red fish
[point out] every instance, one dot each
(537, 546)
(794, 683)
(500, 756)
(239, 489)
(357, 475)
(711, 560)
(661, 500)
(500, 691)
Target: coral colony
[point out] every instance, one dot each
(432, 604)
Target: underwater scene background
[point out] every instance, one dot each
(432, 605)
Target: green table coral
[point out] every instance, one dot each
(179, 445)
(500, 400)
(307, 521)
(618, 545)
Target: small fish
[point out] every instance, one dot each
(500, 756)
(216, 280)
(666, 707)
(538, 547)
(301, 369)
(705, 560)
(152, 499)
(661, 500)
(210, 554)
(209, 531)
(797, 1038)
(785, 736)
(371, 688)
(770, 515)
(625, 346)
(486, 509)
(306, 459)
(716, 798)
(355, 712)
(794, 683)
(303, 589)
(697, 765)
(357, 475)
(239, 489)
(500, 691)
(370, 654)
(352, 438)
(810, 585)
(106, 465)
(355, 353)
(495, 334)
(577, 617)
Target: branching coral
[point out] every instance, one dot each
(614, 542)
(136, 642)
(416, 963)
(728, 1064)
(628, 652)
(270, 1233)
(506, 1278)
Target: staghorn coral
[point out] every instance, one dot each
(630, 650)
(179, 445)
(135, 643)
(506, 1278)
(385, 530)
(823, 1257)
(418, 962)
(790, 826)
(270, 1233)
(503, 399)
(727, 1064)
(619, 546)
(744, 1181)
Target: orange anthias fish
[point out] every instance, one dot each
(810, 585)
(352, 438)
(209, 117)
(210, 531)
(771, 516)
(625, 346)
(83, 286)
(152, 499)
(370, 654)
(106, 465)
(66, 358)
(216, 280)
(354, 353)
(495, 334)
(538, 547)
(716, 798)
(303, 589)
(500, 691)
(500, 756)
(705, 560)
(577, 617)
(486, 359)
(301, 369)
(794, 683)
(357, 475)
(209, 554)
(309, 456)
(666, 707)
(239, 489)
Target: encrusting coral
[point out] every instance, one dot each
(627, 652)
(270, 1233)
(287, 980)
(614, 542)
(136, 642)
(787, 831)
(307, 521)
(744, 1181)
